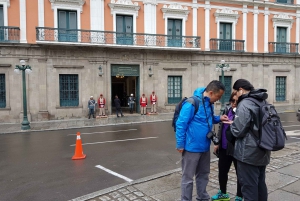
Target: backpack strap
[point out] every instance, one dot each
(195, 102)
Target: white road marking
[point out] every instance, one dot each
(114, 173)
(290, 126)
(295, 138)
(294, 132)
(106, 132)
(117, 141)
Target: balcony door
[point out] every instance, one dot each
(281, 45)
(67, 26)
(2, 30)
(174, 33)
(225, 37)
(124, 29)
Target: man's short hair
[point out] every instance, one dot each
(215, 86)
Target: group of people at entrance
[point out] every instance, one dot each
(235, 143)
(131, 103)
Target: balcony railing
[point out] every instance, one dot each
(115, 38)
(285, 1)
(9, 34)
(283, 48)
(226, 45)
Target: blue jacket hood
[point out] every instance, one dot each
(199, 92)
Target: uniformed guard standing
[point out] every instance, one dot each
(91, 107)
(143, 104)
(101, 103)
(153, 100)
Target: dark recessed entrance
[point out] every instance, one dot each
(125, 81)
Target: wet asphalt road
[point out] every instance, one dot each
(37, 166)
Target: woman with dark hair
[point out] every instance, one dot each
(225, 153)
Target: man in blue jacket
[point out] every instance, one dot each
(192, 140)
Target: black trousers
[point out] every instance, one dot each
(224, 165)
(252, 179)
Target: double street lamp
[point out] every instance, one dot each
(24, 68)
(222, 67)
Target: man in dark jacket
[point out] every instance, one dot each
(118, 106)
(251, 160)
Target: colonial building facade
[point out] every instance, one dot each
(83, 48)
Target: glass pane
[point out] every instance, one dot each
(1, 16)
(120, 24)
(62, 19)
(170, 27)
(72, 20)
(128, 22)
(178, 31)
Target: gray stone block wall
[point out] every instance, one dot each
(196, 69)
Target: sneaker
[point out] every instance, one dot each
(220, 197)
(237, 198)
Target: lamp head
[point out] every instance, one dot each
(222, 61)
(22, 62)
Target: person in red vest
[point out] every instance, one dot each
(143, 104)
(101, 103)
(153, 100)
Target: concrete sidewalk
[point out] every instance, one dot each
(111, 120)
(283, 181)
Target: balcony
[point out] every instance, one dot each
(285, 1)
(109, 38)
(9, 34)
(226, 45)
(283, 48)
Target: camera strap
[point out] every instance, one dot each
(209, 128)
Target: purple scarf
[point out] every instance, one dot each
(225, 126)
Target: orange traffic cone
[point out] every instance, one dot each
(78, 149)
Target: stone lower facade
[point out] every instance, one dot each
(152, 69)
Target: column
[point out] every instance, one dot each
(297, 26)
(97, 15)
(41, 13)
(245, 12)
(195, 16)
(255, 21)
(150, 17)
(43, 113)
(23, 38)
(207, 27)
(266, 30)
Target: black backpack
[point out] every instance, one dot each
(271, 133)
(193, 100)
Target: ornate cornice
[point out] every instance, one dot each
(153, 2)
(67, 3)
(175, 9)
(5, 1)
(282, 19)
(226, 14)
(123, 5)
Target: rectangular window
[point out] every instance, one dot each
(285, 1)
(67, 26)
(281, 45)
(2, 91)
(68, 90)
(227, 94)
(174, 33)
(124, 30)
(280, 88)
(174, 89)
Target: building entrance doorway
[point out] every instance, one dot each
(125, 81)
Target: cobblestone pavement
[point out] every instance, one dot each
(283, 180)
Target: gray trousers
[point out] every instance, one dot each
(252, 179)
(198, 165)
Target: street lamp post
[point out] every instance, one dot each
(222, 67)
(24, 68)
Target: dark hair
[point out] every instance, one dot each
(215, 86)
(242, 83)
(231, 96)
